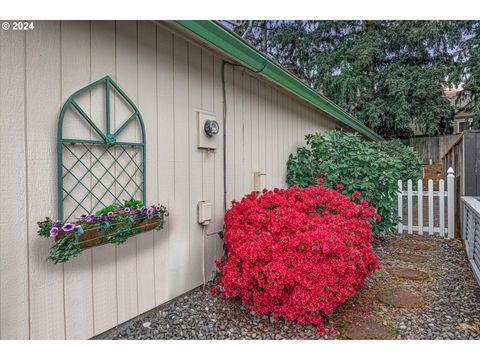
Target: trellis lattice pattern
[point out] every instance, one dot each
(93, 174)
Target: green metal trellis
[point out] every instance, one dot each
(105, 156)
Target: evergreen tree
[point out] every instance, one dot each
(389, 74)
(471, 93)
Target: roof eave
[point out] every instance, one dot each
(238, 49)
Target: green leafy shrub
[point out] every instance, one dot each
(371, 168)
(411, 165)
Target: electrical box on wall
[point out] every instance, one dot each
(204, 212)
(259, 181)
(208, 130)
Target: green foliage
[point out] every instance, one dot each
(64, 249)
(389, 74)
(368, 167)
(471, 93)
(411, 165)
(105, 210)
(120, 234)
(132, 203)
(44, 227)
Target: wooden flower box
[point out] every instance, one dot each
(93, 236)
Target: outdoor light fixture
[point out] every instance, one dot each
(211, 127)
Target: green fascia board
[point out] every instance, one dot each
(228, 42)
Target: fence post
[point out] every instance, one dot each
(451, 203)
(400, 207)
(420, 206)
(430, 207)
(409, 206)
(441, 205)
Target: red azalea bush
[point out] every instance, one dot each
(298, 253)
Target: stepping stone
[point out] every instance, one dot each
(400, 297)
(414, 246)
(416, 259)
(369, 329)
(409, 274)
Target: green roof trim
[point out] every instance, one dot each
(225, 40)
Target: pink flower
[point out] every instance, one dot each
(356, 194)
(215, 290)
(223, 296)
(54, 231)
(364, 202)
(320, 181)
(377, 217)
(340, 186)
(68, 227)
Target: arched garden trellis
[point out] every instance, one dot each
(127, 177)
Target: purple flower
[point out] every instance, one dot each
(68, 227)
(57, 224)
(54, 231)
(150, 211)
(127, 209)
(84, 216)
(157, 207)
(110, 214)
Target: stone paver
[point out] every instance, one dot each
(412, 258)
(401, 297)
(415, 246)
(369, 329)
(408, 274)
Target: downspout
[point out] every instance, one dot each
(224, 95)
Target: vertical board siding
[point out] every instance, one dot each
(14, 223)
(195, 170)
(208, 158)
(165, 158)
(179, 250)
(75, 57)
(147, 102)
(126, 76)
(170, 78)
(105, 307)
(47, 300)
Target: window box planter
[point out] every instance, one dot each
(111, 225)
(94, 236)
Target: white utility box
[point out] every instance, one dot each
(204, 212)
(259, 181)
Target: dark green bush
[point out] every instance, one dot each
(411, 165)
(372, 168)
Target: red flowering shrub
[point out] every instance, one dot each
(297, 253)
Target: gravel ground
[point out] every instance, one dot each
(452, 309)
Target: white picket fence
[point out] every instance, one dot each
(429, 227)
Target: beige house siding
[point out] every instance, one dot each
(170, 77)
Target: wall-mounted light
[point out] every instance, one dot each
(211, 127)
